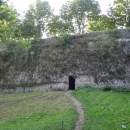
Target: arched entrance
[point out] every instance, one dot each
(71, 83)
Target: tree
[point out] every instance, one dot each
(66, 16)
(77, 14)
(8, 23)
(56, 26)
(119, 11)
(103, 23)
(36, 19)
(2, 2)
(27, 26)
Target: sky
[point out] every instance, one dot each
(22, 5)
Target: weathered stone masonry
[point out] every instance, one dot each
(97, 59)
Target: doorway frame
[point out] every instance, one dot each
(71, 82)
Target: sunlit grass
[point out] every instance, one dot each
(104, 110)
(36, 111)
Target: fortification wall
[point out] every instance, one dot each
(97, 59)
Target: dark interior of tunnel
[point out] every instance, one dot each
(71, 83)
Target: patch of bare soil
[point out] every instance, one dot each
(79, 109)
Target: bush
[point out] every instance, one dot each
(107, 88)
(63, 40)
(120, 89)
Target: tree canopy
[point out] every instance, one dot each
(34, 24)
(119, 11)
(103, 23)
(75, 17)
(77, 13)
(8, 23)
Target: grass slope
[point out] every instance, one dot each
(36, 111)
(104, 110)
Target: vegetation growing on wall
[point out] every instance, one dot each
(24, 60)
(64, 40)
(37, 62)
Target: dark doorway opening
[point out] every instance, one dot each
(71, 83)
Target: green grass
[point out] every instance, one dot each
(104, 110)
(36, 111)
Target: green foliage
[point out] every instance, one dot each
(63, 40)
(104, 111)
(103, 23)
(16, 53)
(119, 11)
(107, 88)
(56, 26)
(66, 16)
(105, 43)
(121, 89)
(8, 23)
(77, 13)
(2, 2)
(36, 20)
(115, 89)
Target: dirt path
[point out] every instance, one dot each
(79, 109)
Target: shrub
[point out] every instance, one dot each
(107, 88)
(118, 89)
(121, 89)
(63, 40)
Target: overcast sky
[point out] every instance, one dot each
(22, 5)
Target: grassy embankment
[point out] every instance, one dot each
(104, 110)
(36, 111)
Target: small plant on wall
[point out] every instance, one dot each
(74, 76)
(63, 40)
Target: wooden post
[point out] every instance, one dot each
(62, 125)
